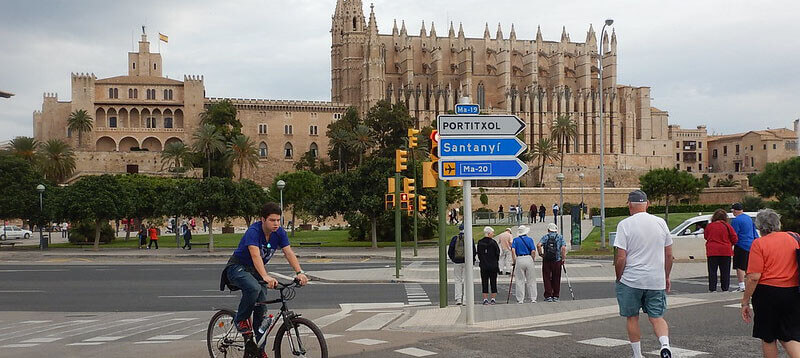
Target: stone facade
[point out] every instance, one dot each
(751, 151)
(690, 148)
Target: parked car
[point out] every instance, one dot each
(693, 228)
(14, 232)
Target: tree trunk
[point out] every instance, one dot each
(128, 230)
(374, 232)
(248, 220)
(209, 164)
(97, 235)
(80, 135)
(541, 174)
(293, 222)
(340, 159)
(241, 167)
(210, 233)
(563, 146)
(666, 210)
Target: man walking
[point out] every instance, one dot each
(533, 213)
(500, 212)
(555, 213)
(553, 251)
(504, 240)
(456, 254)
(542, 212)
(523, 250)
(643, 263)
(746, 232)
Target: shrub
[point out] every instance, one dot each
(753, 203)
(84, 231)
(659, 209)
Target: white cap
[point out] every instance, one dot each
(552, 227)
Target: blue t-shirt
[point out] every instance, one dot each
(254, 236)
(745, 230)
(523, 245)
(559, 243)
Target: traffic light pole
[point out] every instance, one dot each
(443, 244)
(416, 198)
(397, 223)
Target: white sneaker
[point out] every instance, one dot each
(739, 289)
(458, 303)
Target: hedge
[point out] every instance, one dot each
(660, 209)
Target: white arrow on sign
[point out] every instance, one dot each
(466, 125)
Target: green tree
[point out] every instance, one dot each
(18, 195)
(211, 198)
(175, 155)
(390, 123)
(57, 160)
(303, 189)
(252, 198)
(142, 197)
(563, 130)
(545, 151)
(80, 122)
(727, 183)
(339, 134)
(222, 115)
(208, 141)
(781, 180)
(243, 152)
(672, 185)
(92, 198)
(361, 141)
(25, 148)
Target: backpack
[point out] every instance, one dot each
(459, 249)
(551, 248)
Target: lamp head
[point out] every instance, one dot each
(581, 175)
(40, 188)
(609, 22)
(560, 177)
(280, 184)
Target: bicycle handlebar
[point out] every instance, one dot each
(281, 285)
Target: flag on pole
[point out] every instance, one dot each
(163, 37)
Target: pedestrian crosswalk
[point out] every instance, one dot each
(416, 295)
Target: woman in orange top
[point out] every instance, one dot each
(153, 237)
(772, 282)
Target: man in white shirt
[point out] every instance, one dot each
(504, 241)
(643, 264)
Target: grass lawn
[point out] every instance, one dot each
(591, 246)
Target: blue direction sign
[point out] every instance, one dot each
(467, 109)
(480, 147)
(486, 168)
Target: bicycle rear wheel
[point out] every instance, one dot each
(304, 339)
(223, 338)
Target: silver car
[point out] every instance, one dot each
(14, 232)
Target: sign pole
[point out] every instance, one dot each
(469, 295)
(416, 198)
(443, 244)
(398, 181)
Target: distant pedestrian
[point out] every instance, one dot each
(720, 238)
(746, 233)
(542, 212)
(205, 225)
(456, 252)
(187, 236)
(153, 237)
(520, 213)
(142, 236)
(488, 254)
(534, 210)
(500, 212)
(556, 209)
(64, 230)
(553, 251)
(512, 213)
(772, 282)
(643, 263)
(193, 223)
(504, 241)
(523, 249)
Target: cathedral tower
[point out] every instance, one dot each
(348, 35)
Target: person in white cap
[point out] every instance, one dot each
(488, 253)
(523, 250)
(504, 240)
(553, 250)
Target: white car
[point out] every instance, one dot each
(14, 232)
(693, 228)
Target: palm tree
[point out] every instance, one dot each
(243, 152)
(58, 160)
(174, 154)
(25, 148)
(207, 140)
(545, 151)
(563, 129)
(339, 139)
(362, 140)
(80, 121)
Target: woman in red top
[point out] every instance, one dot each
(720, 238)
(153, 237)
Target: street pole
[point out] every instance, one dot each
(608, 22)
(443, 243)
(583, 204)
(42, 241)
(416, 199)
(560, 178)
(519, 204)
(469, 296)
(398, 181)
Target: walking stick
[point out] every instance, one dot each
(571, 293)
(513, 266)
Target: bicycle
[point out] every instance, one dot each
(225, 341)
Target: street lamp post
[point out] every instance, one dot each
(42, 241)
(581, 176)
(560, 178)
(281, 184)
(608, 22)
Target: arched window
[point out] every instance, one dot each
(262, 150)
(481, 96)
(166, 94)
(170, 95)
(116, 92)
(110, 93)
(314, 150)
(130, 92)
(112, 122)
(288, 151)
(354, 24)
(135, 93)
(168, 122)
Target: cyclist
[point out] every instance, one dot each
(247, 265)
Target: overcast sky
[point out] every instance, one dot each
(729, 64)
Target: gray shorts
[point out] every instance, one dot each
(631, 300)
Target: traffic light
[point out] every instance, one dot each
(422, 203)
(391, 188)
(403, 201)
(408, 185)
(389, 199)
(410, 208)
(428, 175)
(455, 183)
(412, 137)
(434, 153)
(400, 160)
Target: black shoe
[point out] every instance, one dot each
(665, 352)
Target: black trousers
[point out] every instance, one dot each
(723, 263)
(187, 242)
(488, 278)
(151, 244)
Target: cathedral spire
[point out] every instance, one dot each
(539, 34)
(422, 31)
(433, 30)
(605, 43)
(499, 35)
(614, 40)
(460, 30)
(451, 33)
(513, 34)
(373, 25)
(591, 37)
(486, 32)
(403, 31)
(394, 28)
(564, 37)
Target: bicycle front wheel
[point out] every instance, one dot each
(303, 339)
(223, 338)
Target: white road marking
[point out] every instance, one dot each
(416, 295)
(415, 352)
(327, 335)
(86, 344)
(375, 322)
(21, 291)
(103, 339)
(94, 328)
(734, 305)
(200, 296)
(367, 341)
(39, 330)
(543, 333)
(40, 340)
(150, 342)
(19, 345)
(32, 270)
(604, 342)
(35, 322)
(679, 352)
(167, 337)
